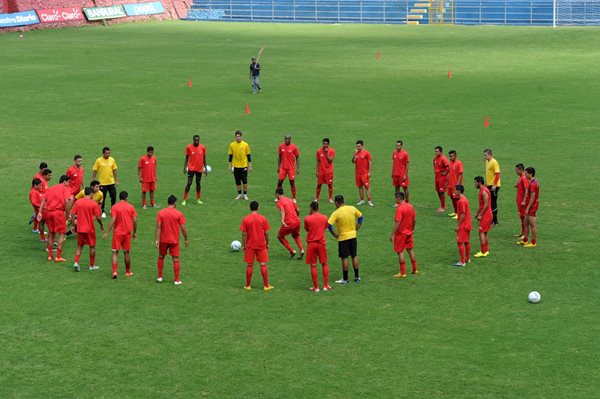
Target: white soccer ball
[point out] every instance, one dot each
(207, 169)
(236, 245)
(533, 297)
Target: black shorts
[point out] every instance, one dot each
(240, 175)
(347, 248)
(192, 173)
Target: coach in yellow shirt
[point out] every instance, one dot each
(105, 168)
(240, 163)
(492, 181)
(347, 220)
(97, 195)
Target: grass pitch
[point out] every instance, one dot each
(449, 333)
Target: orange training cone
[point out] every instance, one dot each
(247, 108)
(379, 56)
(449, 74)
(189, 82)
(486, 122)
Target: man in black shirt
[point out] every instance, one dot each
(255, 76)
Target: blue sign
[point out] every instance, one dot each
(144, 8)
(18, 19)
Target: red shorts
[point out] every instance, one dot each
(290, 173)
(173, 249)
(532, 213)
(55, 220)
(463, 235)
(36, 210)
(121, 242)
(452, 193)
(441, 183)
(316, 250)
(485, 224)
(362, 180)
(402, 242)
(151, 186)
(261, 255)
(398, 181)
(294, 230)
(86, 239)
(325, 178)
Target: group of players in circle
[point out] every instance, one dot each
(67, 202)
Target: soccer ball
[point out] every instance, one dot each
(207, 169)
(533, 297)
(236, 245)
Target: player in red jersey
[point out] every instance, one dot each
(325, 157)
(35, 198)
(55, 205)
(46, 177)
(288, 164)
(166, 237)
(290, 223)
(402, 234)
(463, 227)
(400, 161)
(124, 221)
(521, 185)
(531, 203)
(455, 177)
(147, 176)
(315, 225)
(441, 168)
(75, 173)
(484, 215)
(193, 165)
(83, 213)
(255, 243)
(38, 175)
(362, 172)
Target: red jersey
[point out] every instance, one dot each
(288, 154)
(56, 197)
(148, 167)
(195, 158)
(124, 213)
(315, 226)
(44, 182)
(463, 208)
(35, 197)
(170, 220)
(522, 186)
(534, 189)
(456, 169)
(325, 166)
(405, 214)
(363, 157)
(440, 164)
(75, 179)
(86, 211)
(291, 209)
(400, 160)
(488, 210)
(255, 226)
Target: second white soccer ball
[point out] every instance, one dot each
(236, 245)
(534, 297)
(207, 169)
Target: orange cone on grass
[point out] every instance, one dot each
(379, 56)
(449, 74)
(247, 109)
(190, 83)
(486, 122)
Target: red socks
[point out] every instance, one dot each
(115, 268)
(402, 267)
(185, 195)
(127, 267)
(298, 241)
(161, 265)
(294, 192)
(197, 194)
(176, 269)
(249, 271)
(330, 189)
(92, 261)
(442, 197)
(313, 275)
(317, 196)
(454, 203)
(76, 260)
(325, 274)
(286, 244)
(462, 251)
(265, 275)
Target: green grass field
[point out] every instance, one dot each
(448, 333)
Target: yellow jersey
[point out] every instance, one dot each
(491, 168)
(344, 218)
(105, 170)
(97, 196)
(240, 152)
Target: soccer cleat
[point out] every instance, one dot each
(178, 282)
(276, 200)
(144, 207)
(155, 206)
(199, 202)
(341, 281)
(114, 276)
(357, 279)
(455, 217)
(331, 200)
(314, 289)
(481, 254)
(268, 288)
(415, 272)
(44, 240)
(238, 197)
(35, 231)
(293, 254)
(245, 197)
(519, 236)
(441, 210)
(371, 203)
(400, 275)
(316, 200)
(50, 258)
(452, 214)
(301, 255)
(468, 261)
(184, 202)
(327, 288)
(128, 274)
(521, 242)
(159, 280)
(529, 245)
(248, 287)
(361, 202)
(458, 264)
(103, 215)
(92, 268)
(60, 260)
(76, 267)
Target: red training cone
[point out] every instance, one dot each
(486, 122)
(247, 108)
(379, 56)
(189, 82)
(449, 74)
